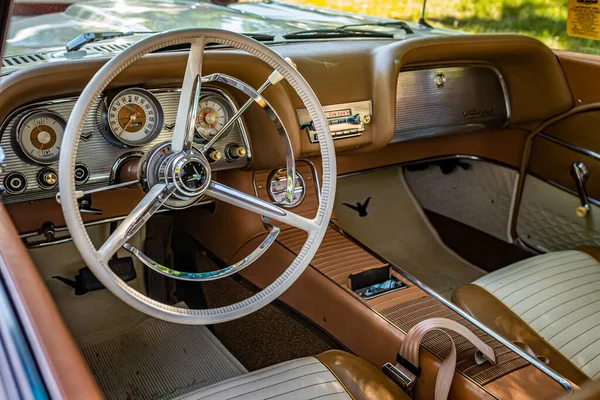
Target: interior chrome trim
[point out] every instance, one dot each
(429, 160)
(570, 146)
(462, 108)
(36, 367)
(211, 275)
(530, 359)
(526, 155)
(120, 161)
(363, 302)
(101, 168)
(67, 238)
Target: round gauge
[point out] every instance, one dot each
(39, 136)
(135, 117)
(278, 185)
(212, 115)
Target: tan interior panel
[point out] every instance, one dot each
(339, 311)
(502, 145)
(61, 354)
(580, 130)
(582, 72)
(552, 162)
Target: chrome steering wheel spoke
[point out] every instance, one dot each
(138, 217)
(183, 135)
(261, 207)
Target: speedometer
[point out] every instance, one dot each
(39, 136)
(135, 117)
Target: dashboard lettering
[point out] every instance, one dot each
(477, 113)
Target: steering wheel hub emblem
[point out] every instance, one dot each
(189, 171)
(190, 174)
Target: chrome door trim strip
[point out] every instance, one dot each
(429, 160)
(39, 362)
(570, 146)
(460, 312)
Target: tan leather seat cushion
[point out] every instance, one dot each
(334, 375)
(550, 302)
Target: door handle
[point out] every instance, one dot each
(580, 174)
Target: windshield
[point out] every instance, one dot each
(42, 29)
(38, 26)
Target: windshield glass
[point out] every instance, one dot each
(38, 25)
(41, 29)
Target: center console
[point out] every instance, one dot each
(368, 305)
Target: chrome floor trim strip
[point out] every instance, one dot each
(566, 384)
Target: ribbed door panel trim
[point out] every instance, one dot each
(558, 296)
(301, 379)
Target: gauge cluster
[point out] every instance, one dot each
(126, 123)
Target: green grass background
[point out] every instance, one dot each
(543, 19)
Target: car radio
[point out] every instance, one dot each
(344, 120)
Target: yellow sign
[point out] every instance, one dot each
(584, 19)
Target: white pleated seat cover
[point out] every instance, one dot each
(301, 379)
(558, 295)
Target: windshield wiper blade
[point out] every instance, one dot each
(391, 24)
(91, 37)
(337, 33)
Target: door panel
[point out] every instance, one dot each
(547, 220)
(474, 192)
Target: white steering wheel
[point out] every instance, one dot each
(172, 176)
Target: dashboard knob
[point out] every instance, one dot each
(47, 178)
(235, 152)
(214, 155)
(15, 183)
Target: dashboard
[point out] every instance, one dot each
(125, 125)
(380, 96)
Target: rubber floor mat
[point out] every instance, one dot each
(159, 360)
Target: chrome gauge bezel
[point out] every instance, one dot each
(17, 137)
(158, 126)
(300, 183)
(227, 105)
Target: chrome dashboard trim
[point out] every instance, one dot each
(120, 161)
(424, 108)
(96, 152)
(341, 131)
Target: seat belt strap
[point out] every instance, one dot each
(408, 356)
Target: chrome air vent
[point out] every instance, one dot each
(21, 60)
(449, 99)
